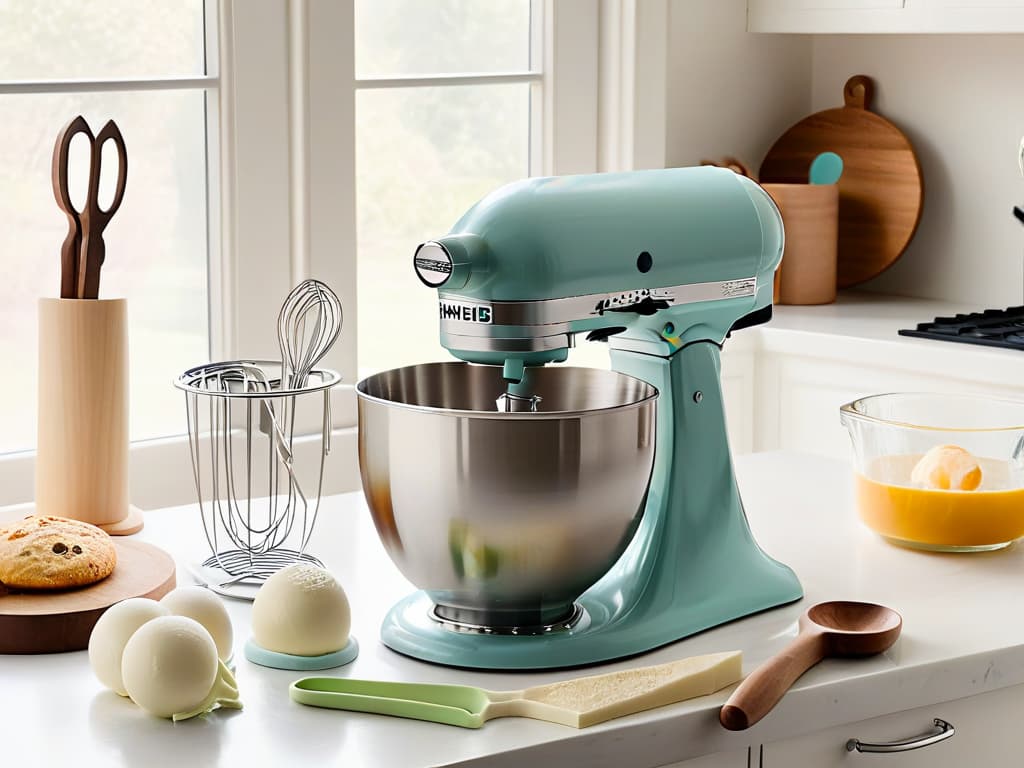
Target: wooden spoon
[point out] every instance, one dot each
(837, 628)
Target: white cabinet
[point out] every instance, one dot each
(796, 406)
(738, 389)
(718, 760)
(885, 16)
(986, 733)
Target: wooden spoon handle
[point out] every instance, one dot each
(761, 691)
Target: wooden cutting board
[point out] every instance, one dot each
(881, 191)
(52, 622)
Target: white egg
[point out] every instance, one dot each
(169, 665)
(112, 632)
(205, 607)
(301, 610)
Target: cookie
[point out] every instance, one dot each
(43, 552)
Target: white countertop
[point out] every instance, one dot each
(962, 633)
(862, 325)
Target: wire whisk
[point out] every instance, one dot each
(257, 514)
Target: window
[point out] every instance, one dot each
(443, 112)
(252, 127)
(144, 65)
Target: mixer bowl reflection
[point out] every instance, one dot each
(504, 519)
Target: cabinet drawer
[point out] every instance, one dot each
(738, 759)
(986, 734)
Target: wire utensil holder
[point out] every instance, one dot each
(241, 424)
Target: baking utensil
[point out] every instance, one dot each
(880, 191)
(251, 500)
(833, 629)
(577, 703)
(308, 324)
(83, 250)
(57, 621)
(891, 433)
(1018, 212)
(826, 168)
(548, 537)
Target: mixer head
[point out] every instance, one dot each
(650, 260)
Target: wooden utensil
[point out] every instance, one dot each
(56, 621)
(838, 628)
(881, 191)
(83, 250)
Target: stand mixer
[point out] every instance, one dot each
(549, 517)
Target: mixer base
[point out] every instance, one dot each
(458, 623)
(602, 632)
(693, 563)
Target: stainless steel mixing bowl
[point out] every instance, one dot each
(504, 519)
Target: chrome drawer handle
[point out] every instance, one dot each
(941, 731)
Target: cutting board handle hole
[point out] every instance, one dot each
(859, 92)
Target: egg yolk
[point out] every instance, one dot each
(947, 468)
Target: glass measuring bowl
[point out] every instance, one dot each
(890, 435)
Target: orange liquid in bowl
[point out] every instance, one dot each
(986, 518)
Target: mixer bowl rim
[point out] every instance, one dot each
(850, 410)
(651, 395)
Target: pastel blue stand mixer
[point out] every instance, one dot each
(556, 516)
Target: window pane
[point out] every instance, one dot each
(416, 37)
(100, 39)
(424, 155)
(156, 246)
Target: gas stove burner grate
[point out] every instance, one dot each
(991, 328)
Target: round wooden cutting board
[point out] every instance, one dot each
(51, 622)
(880, 191)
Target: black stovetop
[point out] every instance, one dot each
(990, 328)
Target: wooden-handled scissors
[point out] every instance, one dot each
(83, 251)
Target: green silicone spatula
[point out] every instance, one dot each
(578, 703)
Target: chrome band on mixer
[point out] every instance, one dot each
(482, 626)
(566, 310)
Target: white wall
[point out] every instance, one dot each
(960, 100)
(957, 97)
(730, 92)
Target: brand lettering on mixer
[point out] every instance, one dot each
(735, 288)
(467, 313)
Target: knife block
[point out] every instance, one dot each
(82, 459)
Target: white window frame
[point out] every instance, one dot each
(281, 137)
